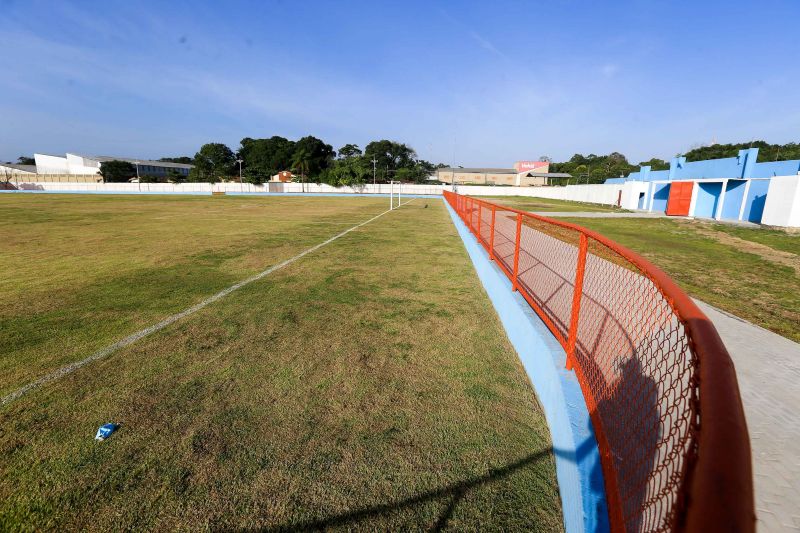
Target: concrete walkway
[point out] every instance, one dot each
(768, 369)
(591, 214)
(641, 214)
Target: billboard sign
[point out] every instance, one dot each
(527, 166)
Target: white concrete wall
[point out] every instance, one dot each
(595, 194)
(51, 164)
(600, 194)
(82, 165)
(630, 194)
(782, 207)
(312, 188)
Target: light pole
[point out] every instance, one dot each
(138, 181)
(241, 183)
(374, 169)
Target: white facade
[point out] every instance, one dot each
(71, 164)
(79, 165)
(782, 207)
(8, 169)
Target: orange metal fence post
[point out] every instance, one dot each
(479, 221)
(514, 285)
(577, 294)
(491, 235)
(471, 215)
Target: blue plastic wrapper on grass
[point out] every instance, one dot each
(105, 431)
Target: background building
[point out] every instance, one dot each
(75, 164)
(732, 188)
(523, 174)
(7, 169)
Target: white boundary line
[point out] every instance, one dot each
(130, 339)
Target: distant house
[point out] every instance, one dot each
(283, 176)
(77, 164)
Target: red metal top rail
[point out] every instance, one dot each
(658, 382)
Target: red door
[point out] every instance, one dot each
(680, 198)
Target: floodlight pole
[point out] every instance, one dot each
(374, 170)
(138, 180)
(241, 183)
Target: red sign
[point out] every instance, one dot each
(525, 166)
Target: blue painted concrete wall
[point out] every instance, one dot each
(744, 165)
(707, 199)
(776, 168)
(734, 194)
(660, 196)
(756, 198)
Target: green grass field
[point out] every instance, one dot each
(546, 205)
(752, 273)
(367, 386)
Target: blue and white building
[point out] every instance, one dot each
(735, 188)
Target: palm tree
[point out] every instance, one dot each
(301, 163)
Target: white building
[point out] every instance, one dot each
(76, 164)
(8, 169)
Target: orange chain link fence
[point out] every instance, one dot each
(659, 384)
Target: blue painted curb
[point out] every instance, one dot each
(580, 478)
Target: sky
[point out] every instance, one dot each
(468, 83)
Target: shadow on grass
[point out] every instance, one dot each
(453, 493)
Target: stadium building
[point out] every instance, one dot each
(734, 188)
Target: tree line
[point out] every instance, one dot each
(597, 168)
(312, 160)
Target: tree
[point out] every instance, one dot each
(349, 150)
(212, 162)
(655, 164)
(301, 163)
(546, 158)
(174, 176)
(390, 155)
(316, 155)
(349, 171)
(186, 160)
(266, 156)
(766, 151)
(256, 175)
(25, 160)
(117, 171)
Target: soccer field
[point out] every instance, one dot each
(367, 385)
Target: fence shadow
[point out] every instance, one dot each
(452, 493)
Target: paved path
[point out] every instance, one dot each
(768, 368)
(641, 214)
(590, 214)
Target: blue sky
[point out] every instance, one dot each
(475, 83)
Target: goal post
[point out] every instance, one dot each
(392, 184)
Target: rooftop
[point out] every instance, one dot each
(165, 164)
(20, 168)
(480, 170)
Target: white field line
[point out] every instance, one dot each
(130, 339)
